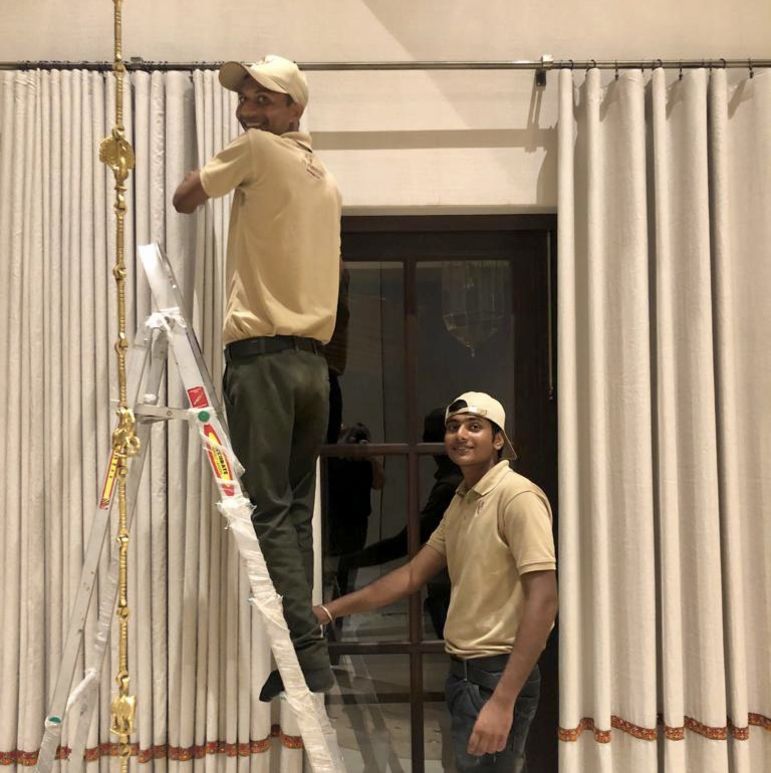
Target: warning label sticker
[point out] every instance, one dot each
(218, 459)
(197, 397)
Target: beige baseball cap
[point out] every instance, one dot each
(273, 72)
(481, 404)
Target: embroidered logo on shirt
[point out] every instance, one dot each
(311, 168)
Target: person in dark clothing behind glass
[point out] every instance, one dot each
(350, 481)
(336, 355)
(447, 478)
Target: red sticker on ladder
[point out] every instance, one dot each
(197, 397)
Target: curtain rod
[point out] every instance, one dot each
(543, 65)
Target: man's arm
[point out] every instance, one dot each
(190, 193)
(405, 580)
(378, 474)
(494, 721)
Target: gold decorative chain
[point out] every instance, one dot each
(115, 151)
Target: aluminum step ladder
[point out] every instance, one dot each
(164, 329)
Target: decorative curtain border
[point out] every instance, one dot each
(569, 735)
(165, 751)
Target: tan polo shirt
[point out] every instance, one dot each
(283, 261)
(491, 535)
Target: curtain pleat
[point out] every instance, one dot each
(611, 379)
(741, 200)
(197, 653)
(688, 501)
(11, 340)
(151, 526)
(32, 578)
(664, 192)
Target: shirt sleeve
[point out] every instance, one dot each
(231, 167)
(527, 527)
(436, 540)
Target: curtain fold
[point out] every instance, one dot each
(197, 651)
(664, 190)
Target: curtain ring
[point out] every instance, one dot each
(680, 71)
(590, 66)
(572, 63)
(616, 70)
(749, 64)
(659, 63)
(725, 64)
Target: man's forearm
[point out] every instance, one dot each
(388, 589)
(393, 586)
(189, 194)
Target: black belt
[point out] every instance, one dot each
(248, 347)
(482, 671)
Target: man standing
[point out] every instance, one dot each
(283, 267)
(496, 541)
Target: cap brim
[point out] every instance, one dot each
(232, 75)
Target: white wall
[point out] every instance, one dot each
(471, 140)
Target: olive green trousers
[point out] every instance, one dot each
(277, 406)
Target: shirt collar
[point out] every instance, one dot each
(301, 138)
(487, 482)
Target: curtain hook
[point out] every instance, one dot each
(572, 63)
(616, 70)
(590, 66)
(680, 71)
(752, 72)
(725, 64)
(659, 63)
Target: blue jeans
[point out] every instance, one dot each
(465, 698)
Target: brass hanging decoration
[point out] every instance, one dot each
(115, 151)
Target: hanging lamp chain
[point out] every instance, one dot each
(116, 152)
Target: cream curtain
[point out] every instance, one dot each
(665, 422)
(197, 654)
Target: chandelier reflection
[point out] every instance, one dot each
(473, 299)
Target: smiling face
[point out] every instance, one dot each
(270, 111)
(473, 444)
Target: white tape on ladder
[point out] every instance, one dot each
(81, 705)
(157, 321)
(318, 736)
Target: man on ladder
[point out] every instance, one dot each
(282, 278)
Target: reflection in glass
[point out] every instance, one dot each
(473, 300)
(372, 382)
(370, 711)
(364, 504)
(437, 740)
(439, 478)
(445, 364)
